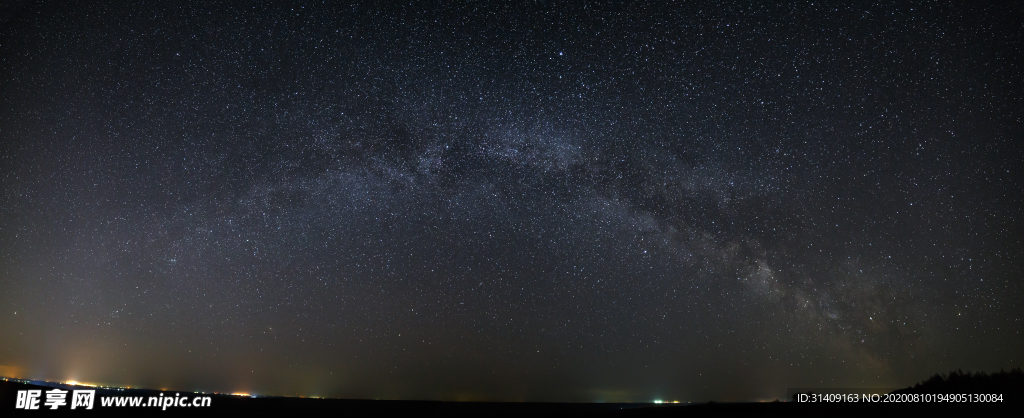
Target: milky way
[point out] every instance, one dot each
(510, 202)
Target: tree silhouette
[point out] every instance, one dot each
(1009, 384)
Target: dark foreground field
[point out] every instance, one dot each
(228, 405)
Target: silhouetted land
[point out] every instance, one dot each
(1007, 383)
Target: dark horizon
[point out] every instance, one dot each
(1001, 389)
(516, 202)
(1008, 386)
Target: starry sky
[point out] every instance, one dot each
(510, 200)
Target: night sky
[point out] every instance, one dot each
(510, 201)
